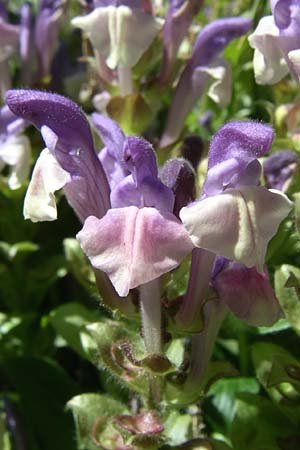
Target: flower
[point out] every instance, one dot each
(279, 169)
(203, 65)
(235, 217)
(120, 32)
(130, 232)
(231, 225)
(247, 292)
(14, 148)
(179, 17)
(46, 30)
(69, 160)
(276, 43)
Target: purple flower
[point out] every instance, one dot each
(9, 37)
(139, 238)
(179, 17)
(204, 63)
(48, 20)
(279, 169)
(26, 31)
(276, 41)
(14, 148)
(247, 292)
(135, 240)
(179, 175)
(126, 33)
(234, 218)
(69, 160)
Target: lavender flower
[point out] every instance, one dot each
(139, 238)
(178, 175)
(130, 233)
(47, 25)
(203, 65)
(246, 292)
(234, 218)
(9, 41)
(179, 17)
(126, 33)
(276, 41)
(279, 169)
(14, 148)
(69, 160)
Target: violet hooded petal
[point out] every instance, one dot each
(110, 133)
(210, 43)
(10, 124)
(248, 294)
(68, 136)
(48, 20)
(279, 168)
(134, 246)
(178, 175)
(113, 170)
(232, 159)
(111, 157)
(143, 187)
(178, 20)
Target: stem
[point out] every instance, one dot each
(125, 80)
(151, 319)
(151, 315)
(203, 343)
(190, 313)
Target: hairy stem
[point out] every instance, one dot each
(125, 80)
(190, 314)
(151, 315)
(203, 343)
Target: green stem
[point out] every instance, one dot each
(151, 319)
(203, 343)
(125, 80)
(190, 314)
(151, 315)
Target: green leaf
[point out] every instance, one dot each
(260, 425)
(178, 427)
(288, 296)
(224, 392)
(87, 409)
(69, 321)
(275, 365)
(79, 264)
